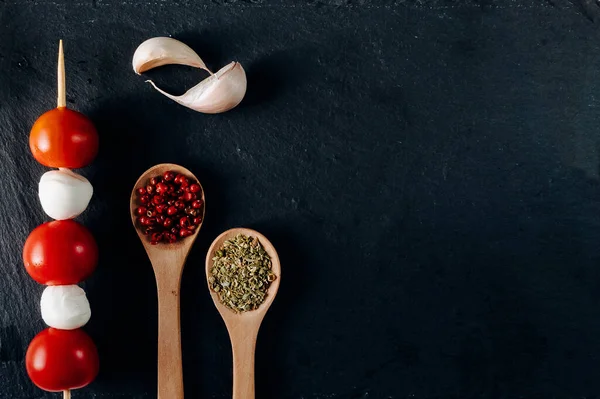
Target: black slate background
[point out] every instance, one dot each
(428, 171)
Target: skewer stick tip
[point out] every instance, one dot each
(67, 394)
(62, 91)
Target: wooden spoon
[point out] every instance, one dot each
(167, 261)
(243, 327)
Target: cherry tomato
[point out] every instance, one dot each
(60, 252)
(63, 138)
(58, 360)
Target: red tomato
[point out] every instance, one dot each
(61, 252)
(63, 138)
(58, 360)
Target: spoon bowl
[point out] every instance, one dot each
(167, 261)
(243, 327)
(182, 246)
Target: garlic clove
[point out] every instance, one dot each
(159, 51)
(64, 194)
(65, 307)
(219, 92)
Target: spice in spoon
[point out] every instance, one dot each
(170, 207)
(241, 273)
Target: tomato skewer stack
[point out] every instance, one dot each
(62, 253)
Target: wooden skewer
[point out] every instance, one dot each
(62, 102)
(62, 90)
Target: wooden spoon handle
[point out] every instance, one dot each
(170, 372)
(243, 344)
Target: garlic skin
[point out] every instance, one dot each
(65, 307)
(64, 194)
(159, 51)
(218, 93)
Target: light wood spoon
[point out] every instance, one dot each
(243, 327)
(167, 261)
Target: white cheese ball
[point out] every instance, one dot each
(64, 194)
(65, 307)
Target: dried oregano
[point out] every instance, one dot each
(241, 273)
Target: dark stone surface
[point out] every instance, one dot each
(428, 171)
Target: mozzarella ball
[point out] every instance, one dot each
(64, 194)
(65, 307)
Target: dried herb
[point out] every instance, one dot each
(241, 273)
